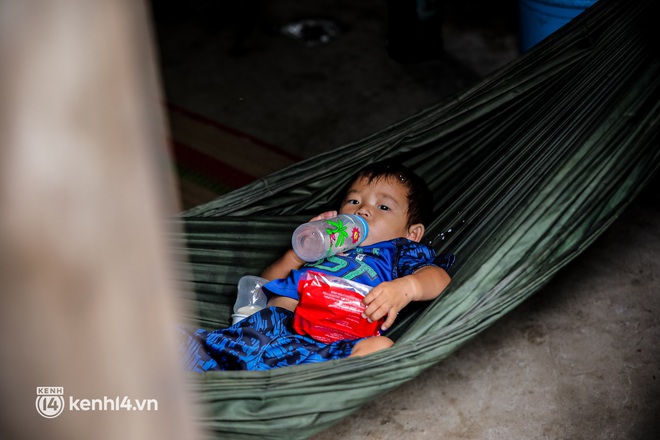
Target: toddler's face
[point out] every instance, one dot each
(383, 203)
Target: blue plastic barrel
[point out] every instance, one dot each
(540, 18)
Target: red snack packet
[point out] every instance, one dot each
(330, 309)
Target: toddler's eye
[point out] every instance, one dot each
(352, 202)
(383, 207)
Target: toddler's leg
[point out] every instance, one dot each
(371, 345)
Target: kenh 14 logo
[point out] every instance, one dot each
(50, 401)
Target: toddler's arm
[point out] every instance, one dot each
(389, 298)
(282, 266)
(280, 269)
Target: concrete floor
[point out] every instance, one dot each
(580, 359)
(311, 99)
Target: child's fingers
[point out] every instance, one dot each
(371, 310)
(371, 296)
(376, 311)
(379, 302)
(371, 315)
(381, 312)
(391, 317)
(324, 215)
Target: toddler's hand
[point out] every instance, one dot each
(326, 214)
(387, 299)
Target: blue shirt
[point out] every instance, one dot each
(370, 265)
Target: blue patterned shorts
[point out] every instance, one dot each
(262, 341)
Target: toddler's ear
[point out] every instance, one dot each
(416, 232)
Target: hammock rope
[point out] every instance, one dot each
(528, 167)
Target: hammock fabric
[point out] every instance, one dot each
(528, 168)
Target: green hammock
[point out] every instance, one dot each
(528, 168)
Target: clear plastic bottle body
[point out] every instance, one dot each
(250, 298)
(322, 238)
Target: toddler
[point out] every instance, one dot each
(396, 204)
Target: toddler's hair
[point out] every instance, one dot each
(420, 198)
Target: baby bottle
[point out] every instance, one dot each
(322, 238)
(250, 298)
